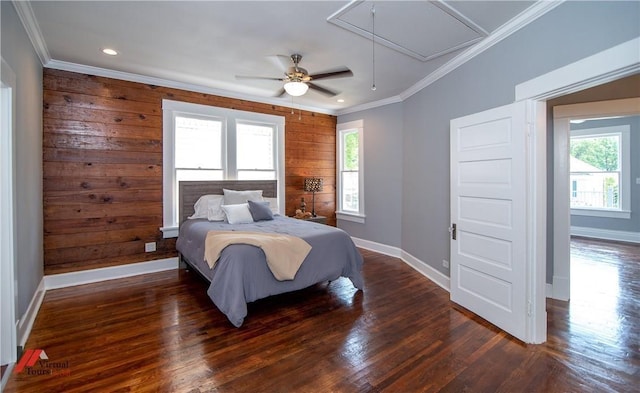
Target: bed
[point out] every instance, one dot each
(241, 274)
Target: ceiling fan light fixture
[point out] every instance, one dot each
(295, 88)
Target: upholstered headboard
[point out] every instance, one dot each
(190, 191)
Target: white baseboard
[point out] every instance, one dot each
(426, 270)
(378, 247)
(432, 274)
(25, 324)
(607, 234)
(64, 280)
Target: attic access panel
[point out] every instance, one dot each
(422, 29)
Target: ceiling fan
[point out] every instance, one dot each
(297, 79)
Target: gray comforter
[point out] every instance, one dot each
(242, 275)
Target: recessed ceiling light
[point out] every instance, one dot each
(109, 51)
(340, 100)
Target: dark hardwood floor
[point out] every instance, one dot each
(161, 333)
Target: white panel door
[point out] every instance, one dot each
(488, 216)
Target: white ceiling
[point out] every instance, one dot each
(202, 45)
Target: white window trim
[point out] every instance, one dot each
(625, 168)
(169, 194)
(341, 128)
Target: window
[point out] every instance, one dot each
(599, 171)
(202, 142)
(350, 168)
(255, 151)
(198, 148)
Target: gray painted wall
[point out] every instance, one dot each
(618, 224)
(570, 32)
(18, 52)
(382, 175)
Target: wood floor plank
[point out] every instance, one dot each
(161, 333)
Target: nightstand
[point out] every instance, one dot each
(318, 219)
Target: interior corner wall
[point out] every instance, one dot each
(382, 175)
(568, 33)
(19, 54)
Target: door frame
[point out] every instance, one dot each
(608, 65)
(7, 225)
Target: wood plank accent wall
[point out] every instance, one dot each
(102, 165)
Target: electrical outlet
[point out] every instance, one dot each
(445, 263)
(150, 247)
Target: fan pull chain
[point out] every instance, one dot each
(373, 46)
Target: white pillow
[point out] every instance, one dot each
(201, 207)
(238, 213)
(232, 197)
(273, 205)
(215, 212)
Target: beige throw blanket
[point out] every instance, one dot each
(285, 253)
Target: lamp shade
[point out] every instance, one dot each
(296, 89)
(313, 184)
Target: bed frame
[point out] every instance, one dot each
(190, 191)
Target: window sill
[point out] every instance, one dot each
(169, 232)
(354, 217)
(624, 214)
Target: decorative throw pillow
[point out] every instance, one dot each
(260, 211)
(238, 213)
(233, 197)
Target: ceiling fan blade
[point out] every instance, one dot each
(333, 74)
(322, 90)
(280, 93)
(281, 61)
(259, 77)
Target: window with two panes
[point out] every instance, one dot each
(350, 177)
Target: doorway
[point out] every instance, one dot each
(597, 122)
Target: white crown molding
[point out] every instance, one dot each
(523, 19)
(28, 19)
(25, 12)
(369, 105)
(150, 80)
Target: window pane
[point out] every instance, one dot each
(350, 153)
(599, 152)
(595, 177)
(198, 143)
(350, 191)
(256, 175)
(194, 174)
(595, 190)
(254, 146)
